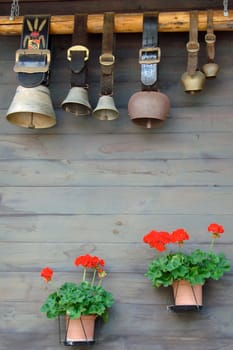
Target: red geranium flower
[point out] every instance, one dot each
(216, 230)
(159, 246)
(157, 239)
(179, 235)
(89, 262)
(47, 274)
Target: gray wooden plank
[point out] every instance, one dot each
(118, 228)
(28, 286)
(150, 320)
(195, 172)
(101, 147)
(49, 341)
(200, 119)
(119, 257)
(211, 95)
(116, 200)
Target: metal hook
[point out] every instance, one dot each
(14, 9)
(225, 8)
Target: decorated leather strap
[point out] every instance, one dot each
(107, 59)
(210, 37)
(193, 46)
(33, 58)
(149, 54)
(78, 53)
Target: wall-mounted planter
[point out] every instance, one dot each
(78, 331)
(186, 297)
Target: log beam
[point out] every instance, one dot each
(125, 23)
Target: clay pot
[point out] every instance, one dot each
(80, 330)
(185, 294)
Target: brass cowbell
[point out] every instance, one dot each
(32, 108)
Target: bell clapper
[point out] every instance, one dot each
(148, 124)
(31, 125)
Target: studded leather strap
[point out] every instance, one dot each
(149, 54)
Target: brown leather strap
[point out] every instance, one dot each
(193, 46)
(210, 37)
(78, 54)
(107, 58)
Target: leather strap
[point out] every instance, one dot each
(107, 59)
(210, 37)
(149, 54)
(78, 53)
(193, 46)
(33, 57)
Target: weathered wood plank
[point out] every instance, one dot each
(21, 318)
(91, 6)
(120, 257)
(123, 92)
(49, 341)
(170, 84)
(126, 48)
(119, 228)
(196, 119)
(105, 200)
(195, 172)
(28, 286)
(127, 147)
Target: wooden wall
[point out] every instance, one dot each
(88, 186)
(56, 7)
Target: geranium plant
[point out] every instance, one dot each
(195, 267)
(77, 299)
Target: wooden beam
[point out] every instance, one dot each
(125, 23)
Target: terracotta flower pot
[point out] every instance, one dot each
(80, 329)
(185, 294)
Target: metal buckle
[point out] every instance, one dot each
(34, 67)
(153, 50)
(107, 59)
(78, 48)
(192, 46)
(210, 38)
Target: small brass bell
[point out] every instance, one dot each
(210, 69)
(148, 109)
(106, 109)
(193, 83)
(77, 102)
(32, 108)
